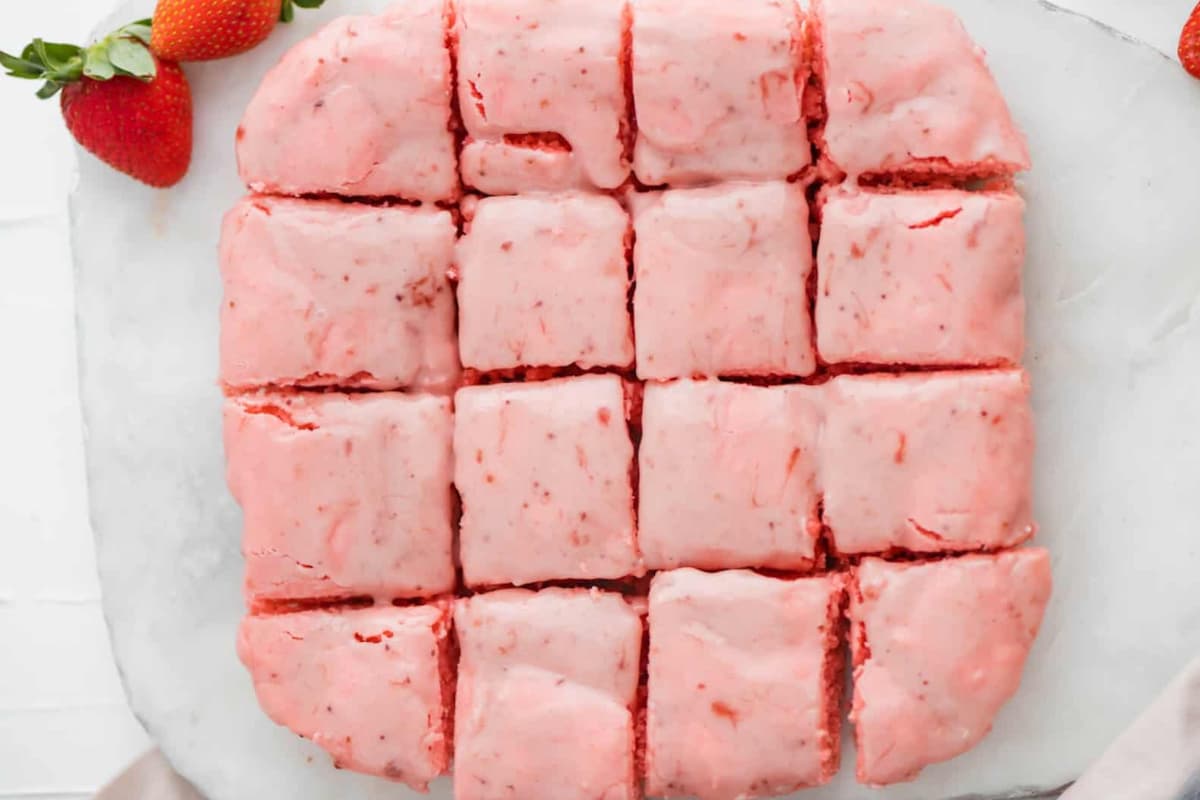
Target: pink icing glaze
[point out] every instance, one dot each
(544, 474)
(543, 281)
(907, 89)
(743, 684)
(728, 475)
(366, 685)
(931, 277)
(939, 649)
(722, 277)
(323, 121)
(546, 684)
(716, 89)
(537, 67)
(928, 462)
(342, 494)
(323, 293)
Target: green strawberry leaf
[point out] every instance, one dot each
(131, 57)
(21, 67)
(286, 11)
(97, 66)
(55, 54)
(139, 30)
(309, 3)
(49, 89)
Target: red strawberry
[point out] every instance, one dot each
(1189, 43)
(201, 30)
(142, 128)
(121, 103)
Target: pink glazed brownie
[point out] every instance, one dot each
(547, 684)
(933, 462)
(907, 92)
(322, 121)
(923, 278)
(325, 293)
(938, 649)
(543, 470)
(544, 281)
(372, 686)
(717, 91)
(541, 88)
(745, 680)
(342, 495)
(728, 475)
(722, 275)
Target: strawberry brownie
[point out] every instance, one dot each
(908, 92)
(372, 686)
(938, 649)
(717, 91)
(544, 281)
(721, 275)
(928, 462)
(543, 470)
(325, 293)
(922, 278)
(324, 122)
(547, 685)
(745, 679)
(541, 88)
(342, 495)
(728, 475)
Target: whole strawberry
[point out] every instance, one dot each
(128, 108)
(1189, 43)
(201, 30)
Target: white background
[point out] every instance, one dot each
(64, 726)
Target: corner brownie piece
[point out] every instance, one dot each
(342, 495)
(938, 649)
(544, 281)
(717, 91)
(907, 92)
(324, 122)
(541, 87)
(922, 278)
(547, 685)
(324, 293)
(933, 462)
(728, 475)
(544, 474)
(721, 282)
(372, 686)
(745, 680)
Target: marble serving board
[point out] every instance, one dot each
(1112, 282)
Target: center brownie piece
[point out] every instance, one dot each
(544, 474)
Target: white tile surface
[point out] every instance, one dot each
(64, 725)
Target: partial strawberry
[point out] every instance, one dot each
(122, 104)
(202, 30)
(1189, 43)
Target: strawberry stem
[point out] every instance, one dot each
(123, 52)
(287, 11)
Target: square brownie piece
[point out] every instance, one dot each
(541, 88)
(932, 462)
(547, 687)
(342, 495)
(728, 475)
(928, 278)
(938, 649)
(323, 121)
(721, 282)
(543, 470)
(372, 686)
(745, 678)
(324, 293)
(544, 281)
(717, 91)
(907, 92)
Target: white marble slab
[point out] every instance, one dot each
(1112, 283)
